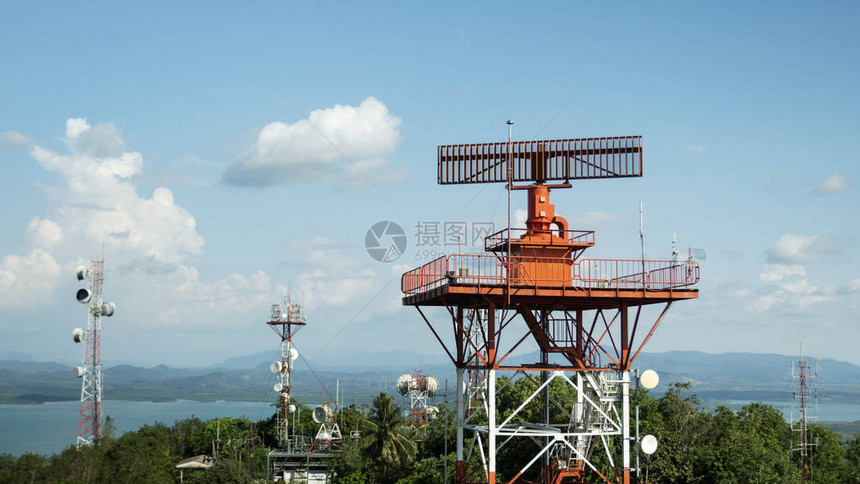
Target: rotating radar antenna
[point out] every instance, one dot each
(532, 283)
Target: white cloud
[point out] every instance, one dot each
(794, 248)
(96, 200)
(331, 144)
(835, 183)
(76, 126)
(335, 279)
(44, 233)
(26, 280)
(147, 240)
(780, 272)
(787, 288)
(852, 287)
(183, 299)
(260, 281)
(14, 139)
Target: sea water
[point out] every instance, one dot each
(48, 428)
(823, 412)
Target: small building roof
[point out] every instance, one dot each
(196, 462)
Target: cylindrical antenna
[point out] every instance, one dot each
(674, 246)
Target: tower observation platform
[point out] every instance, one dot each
(533, 283)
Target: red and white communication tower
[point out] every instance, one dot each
(90, 371)
(805, 396)
(533, 283)
(419, 388)
(286, 322)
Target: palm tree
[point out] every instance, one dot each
(386, 442)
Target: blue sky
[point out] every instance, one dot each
(178, 136)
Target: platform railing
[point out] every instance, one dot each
(655, 275)
(491, 270)
(582, 238)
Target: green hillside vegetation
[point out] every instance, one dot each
(696, 446)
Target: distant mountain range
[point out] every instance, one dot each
(726, 376)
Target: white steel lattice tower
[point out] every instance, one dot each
(476, 383)
(90, 417)
(804, 397)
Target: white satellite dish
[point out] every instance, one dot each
(78, 335)
(649, 379)
(275, 367)
(294, 354)
(648, 444)
(78, 371)
(82, 272)
(108, 309)
(278, 387)
(292, 408)
(83, 296)
(322, 414)
(404, 381)
(432, 385)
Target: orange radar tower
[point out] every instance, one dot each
(533, 283)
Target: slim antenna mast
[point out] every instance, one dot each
(642, 239)
(642, 229)
(510, 179)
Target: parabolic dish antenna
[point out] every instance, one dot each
(404, 381)
(108, 309)
(649, 444)
(649, 379)
(432, 385)
(322, 414)
(83, 296)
